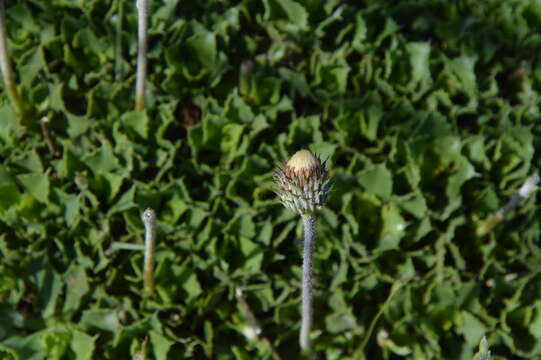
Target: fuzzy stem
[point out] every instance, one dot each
(5, 65)
(309, 222)
(149, 219)
(142, 29)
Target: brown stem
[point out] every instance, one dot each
(47, 136)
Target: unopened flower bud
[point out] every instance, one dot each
(303, 183)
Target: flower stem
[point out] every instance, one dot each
(149, 219)
(309, 222)
(5, 65)
(142, 29)
(47, 136)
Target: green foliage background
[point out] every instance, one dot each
(426, 110)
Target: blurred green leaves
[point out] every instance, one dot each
(427, 113)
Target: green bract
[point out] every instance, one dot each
(303, 183)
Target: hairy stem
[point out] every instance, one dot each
(149, 219)
(142, 29)
(5, 65)
(309, 222)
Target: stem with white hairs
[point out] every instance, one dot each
(149, 219)
(309, 222)
(142, 30)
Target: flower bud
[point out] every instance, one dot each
(303, 183)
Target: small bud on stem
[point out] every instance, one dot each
(303, 183)
(303, 186)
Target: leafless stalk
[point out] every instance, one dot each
(309, 222)
(5, 65)
(47, 136)
(142, 29)
(149, 219)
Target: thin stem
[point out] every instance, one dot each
(309, 222)
(47, 136)
(149, 219)
(5, 65)
(142, 28)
